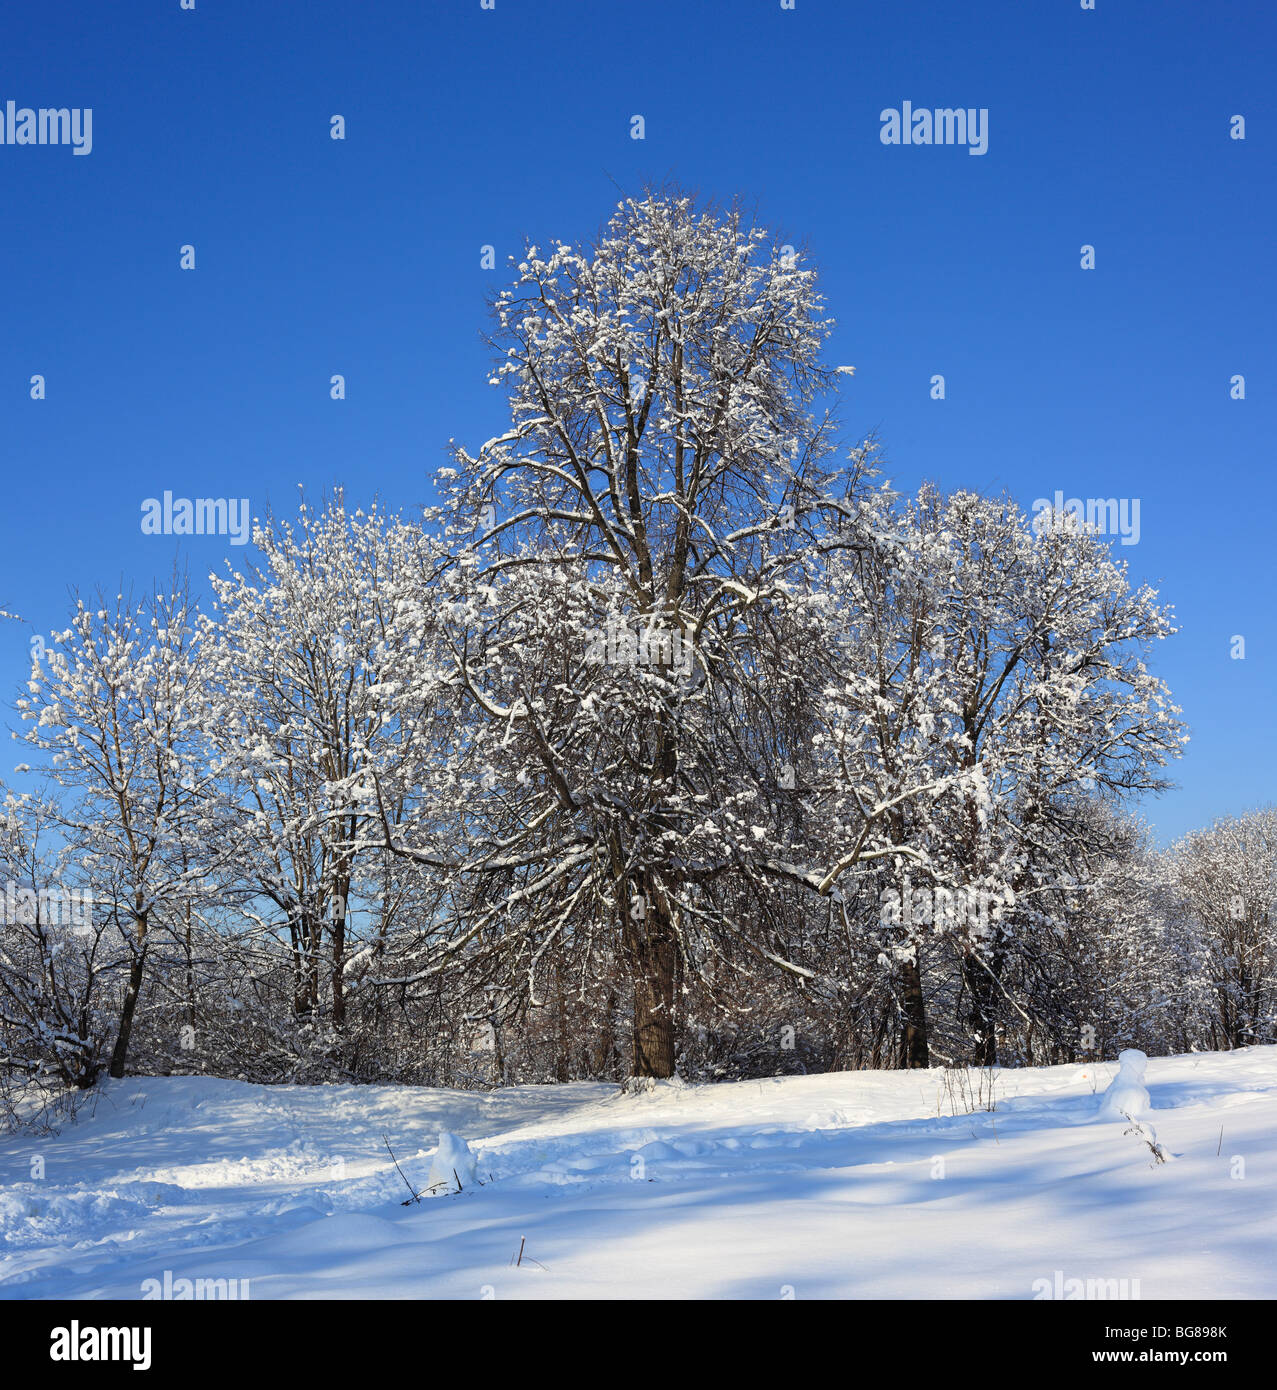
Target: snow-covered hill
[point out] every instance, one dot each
(858, 1184)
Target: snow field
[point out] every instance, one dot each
(842, 1185)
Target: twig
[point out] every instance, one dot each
(416, 1196)
(518, 1261)
(1155, 1148)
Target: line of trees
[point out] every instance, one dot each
(673, 737)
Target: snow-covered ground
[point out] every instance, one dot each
(855, 1184)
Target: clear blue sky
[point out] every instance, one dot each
(467, 127)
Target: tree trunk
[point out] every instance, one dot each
(562, 1061)
(981, 980)
(914, 1051)
(338, 973)
(120, 1053)
(309, 941)
(653, 956)
(605, 1058)
(338, 911)
(190, 970)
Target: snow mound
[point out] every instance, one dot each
(1127, 1095)
(453, 1163)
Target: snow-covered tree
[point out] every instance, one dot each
(111, 706)
(303, 712)
(644, 527)
(1226, 879)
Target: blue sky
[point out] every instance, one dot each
(468, 127)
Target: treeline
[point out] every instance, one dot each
(665, 741)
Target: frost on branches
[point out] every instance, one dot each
(672, 738)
